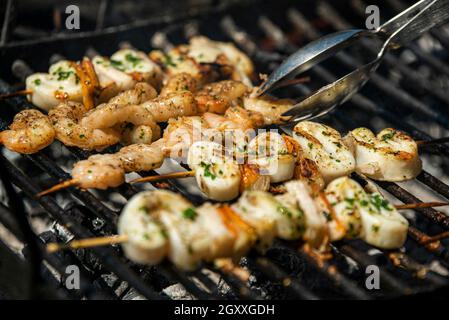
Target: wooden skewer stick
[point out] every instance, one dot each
(421, 205)
(59, 186)
(175, 175)
(435, 238)
(87, 243)
(15, 94)
(421, 143)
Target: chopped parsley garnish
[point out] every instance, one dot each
(207, 172)
(117, 64)
(380, 203)
(375, 228)
(82, 136)
(133, 59)
(37, 82)
(64, 74)
(310, 145)
(284, 211)
(190, 214)
(168, 61)
(164, 233)
(388, 136)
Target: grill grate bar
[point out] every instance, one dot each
(110, 260)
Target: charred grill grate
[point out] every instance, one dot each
(408, 92)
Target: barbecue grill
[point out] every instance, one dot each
(408, 92)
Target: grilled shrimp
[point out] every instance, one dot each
(30, 132)
(368, 216)
(390, 156)
(140, 157)
(100, 171)
(61, 83)
(270, 108)
(172, 105)
(269, 151)
(217, 97)
(108, 114)
(324, 145)
(65, 119)
(178, 83)
(234, 118)
(138, 94)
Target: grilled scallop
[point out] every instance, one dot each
(368, 216)
(59, 84)
(110, 77)
(220, 236)
(257, 208)
(269, 151)
(147, 238)
(125, 68)
(203, 152)
(390, 156)
(325, 147)
(344, 194)
(219, 180)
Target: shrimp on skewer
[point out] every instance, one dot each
(30, 132)
(65, 119)
(103, 171)
(390, 156)
(98, 128)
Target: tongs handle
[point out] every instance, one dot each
(432, 13)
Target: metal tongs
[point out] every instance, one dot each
(398, 31)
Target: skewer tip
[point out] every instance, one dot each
(59, 186)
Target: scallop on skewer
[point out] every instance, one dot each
(161, 224)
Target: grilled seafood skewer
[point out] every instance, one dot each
(68, 81)
(158, 224)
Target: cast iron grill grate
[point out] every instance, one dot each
(408, 92)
